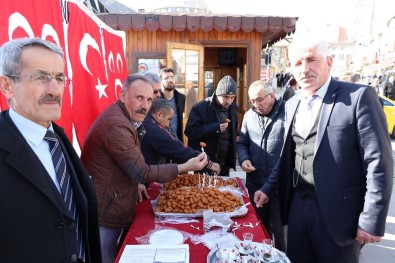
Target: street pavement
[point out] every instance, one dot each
(382, 252)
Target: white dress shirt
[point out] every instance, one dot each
(34, 135)
(304, 117)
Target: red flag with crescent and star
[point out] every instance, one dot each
(24, 18)
(94, 54)
(99, 66)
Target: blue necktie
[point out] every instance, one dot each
(66, 189)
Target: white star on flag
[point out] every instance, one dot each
(101, 88)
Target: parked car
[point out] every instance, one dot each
(389, 110)
(384, 80)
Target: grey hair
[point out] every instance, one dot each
(307, 41)
(160, 104)
(152, 77)
(262, 85)
(132, 78)
(10, 53)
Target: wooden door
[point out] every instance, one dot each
(187, 62)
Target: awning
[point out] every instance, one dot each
(273, 28)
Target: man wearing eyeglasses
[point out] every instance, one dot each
(214, 122)
(176, 99)
(258, 149)
(155, 81)
(48, 204)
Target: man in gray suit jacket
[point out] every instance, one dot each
(335, 169)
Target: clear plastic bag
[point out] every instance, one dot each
(216, 239)
(172, 235)
(216, 220)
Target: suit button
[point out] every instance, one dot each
(72, 225)
(59, 225)
(304, 173)
(305, 142)
(74, 258)
(304, 158)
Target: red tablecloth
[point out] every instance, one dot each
(144, 222)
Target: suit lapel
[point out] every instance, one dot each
(23, 160)
(292, 105)
(26, 163)
(327, 107)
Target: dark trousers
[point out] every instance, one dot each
(269, 215)
(224, 170)
(308, 238)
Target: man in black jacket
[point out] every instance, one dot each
(177, 100)
(214, 122)
(158, 146)
(48, 212)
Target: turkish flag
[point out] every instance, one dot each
(99, 66)
(35, 18)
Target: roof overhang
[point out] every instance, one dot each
(273, 28)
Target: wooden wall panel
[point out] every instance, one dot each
(147, 41)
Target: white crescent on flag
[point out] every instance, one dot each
(118, 84)
(87, 41)
(18, 20)
(48, 30)
(119, 63)
(111, 61)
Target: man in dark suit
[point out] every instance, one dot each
(335, 170)
(42, 218)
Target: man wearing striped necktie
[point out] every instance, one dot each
(48, 205)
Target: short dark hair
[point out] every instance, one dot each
(292, 82)
(160, 104)
(167, 70)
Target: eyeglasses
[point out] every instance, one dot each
(169, 78)
(44, 79)
(259, 99)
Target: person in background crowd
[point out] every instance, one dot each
(155, 81)
(375, 85)
(368, 80)
(258, 150)
(389, 89)
(158, 145)
(290, 89)
(48, 212)
(112, 156)
(286, 78)
(176, 99)
(214, 122)
(280, 78)
(335, 170)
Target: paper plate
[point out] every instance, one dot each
(166, 237)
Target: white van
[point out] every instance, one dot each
(384, 80)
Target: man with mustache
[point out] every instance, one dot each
(47, 200)
(335, 170)
(176, 99)
(112, 156)
(214, 122)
